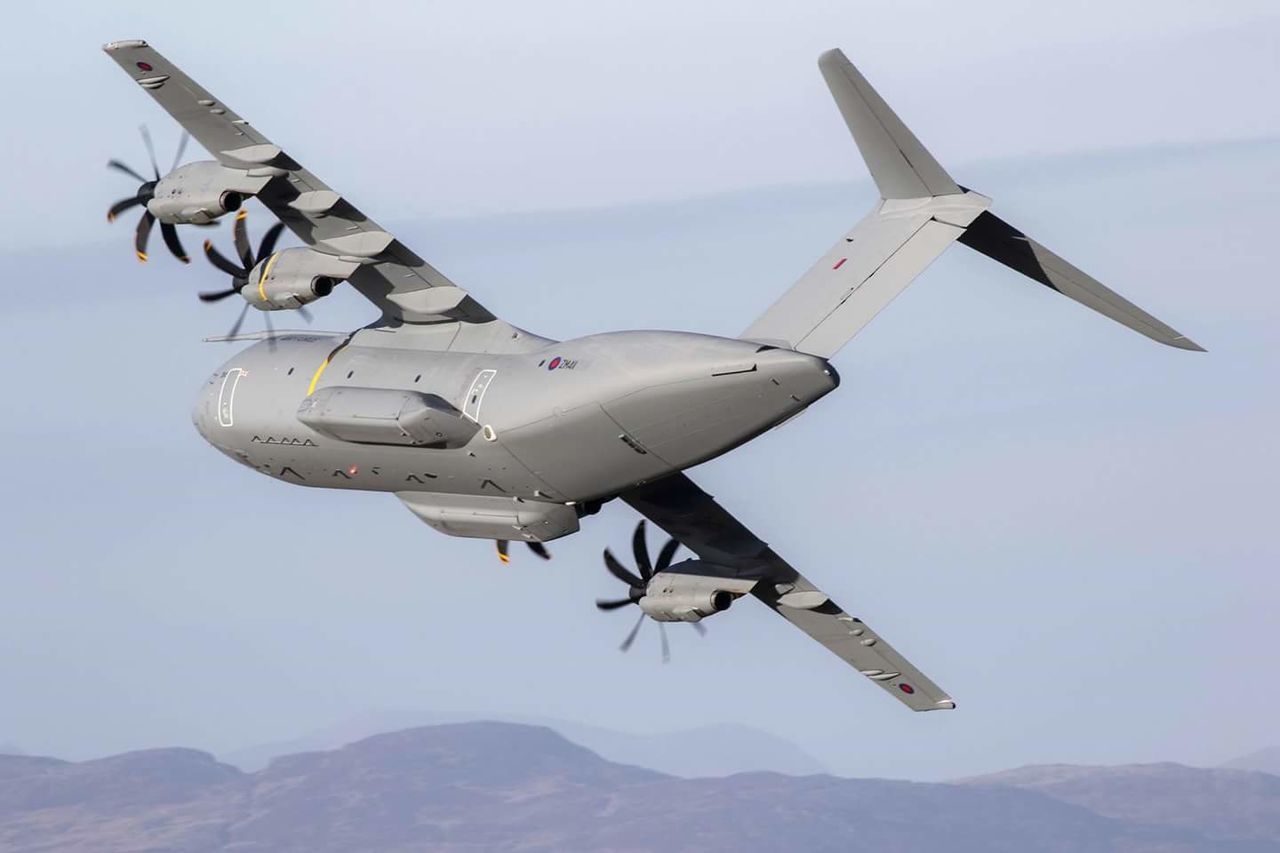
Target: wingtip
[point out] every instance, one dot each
(123, 43)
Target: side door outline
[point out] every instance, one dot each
(227, 396)
(475, 394)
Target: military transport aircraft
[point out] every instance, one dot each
(485, 430)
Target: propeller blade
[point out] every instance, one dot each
(620, 571)
(666, 647)
(631, 638)
(614, 604)
(268, 244)
(121, 206)
(121, 167)
(182, 147)
(304, 313)
(170, 235)
(235, 327)
(271, 330)
(664, 556)
(151, 149)
(700, 628)
(219, 260)
(539, 549)
(218, 295)
(140, 236)
(502, 550)
(240, 236)
(640, 548)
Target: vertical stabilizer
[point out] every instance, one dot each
(900, 165)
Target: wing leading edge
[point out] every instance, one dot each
(694, 518)
(922, 211)
(391, 276)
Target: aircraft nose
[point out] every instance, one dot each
(202, 413)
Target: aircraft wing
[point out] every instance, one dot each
(402, 284)
(693, 517)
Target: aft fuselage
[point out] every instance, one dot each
(569, 422)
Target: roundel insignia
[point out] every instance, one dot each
(144, 66)
(554, 363)
(906, 688)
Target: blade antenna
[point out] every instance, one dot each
(666, 647)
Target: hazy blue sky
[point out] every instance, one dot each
(1070, 528)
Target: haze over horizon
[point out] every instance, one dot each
(1065, 525)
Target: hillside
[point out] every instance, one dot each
(499, 786)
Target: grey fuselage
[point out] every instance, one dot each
(546, 423)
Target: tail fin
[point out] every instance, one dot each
(899, 164)
(922, 212)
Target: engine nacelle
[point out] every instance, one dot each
(198, 193)
(293, 277)
(676, 596)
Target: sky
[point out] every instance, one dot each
(1067, 526)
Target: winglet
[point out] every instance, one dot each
(899, 164)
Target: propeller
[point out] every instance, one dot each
(239, 271)
(638, 582)
(536, 547)
(147, 191)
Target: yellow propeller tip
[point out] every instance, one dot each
(504, 558)
(142, 256)
(111, 217)
(184, 259)
(242, 214)
(208, 244)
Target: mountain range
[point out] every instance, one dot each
(502, 786)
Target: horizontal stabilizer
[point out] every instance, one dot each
(998, 240)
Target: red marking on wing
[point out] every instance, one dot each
(839, 263)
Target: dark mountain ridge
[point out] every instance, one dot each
(499, 786)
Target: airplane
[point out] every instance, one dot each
(482, 429)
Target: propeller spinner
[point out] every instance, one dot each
(638, 583)
(240, 272)
(147, 191)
